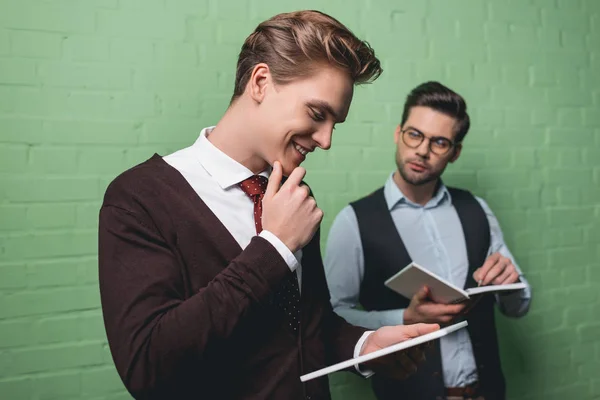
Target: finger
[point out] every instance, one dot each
(504, 275)
(311, 203)
(303, 191)
(415, 330)
(435, 310)
(318, 215)
(468, 307)
(453, 309)
(484, 269)
(444, 319)
(512, 278)
(274, 180)
(295, 177)
(480, 273)
(421, 295)
(494, 272)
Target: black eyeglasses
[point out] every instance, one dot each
(437, 144)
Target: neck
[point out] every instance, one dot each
(234, 135)
(419, 194)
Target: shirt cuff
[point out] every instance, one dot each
(393, 317)
(286, 253)
(364, 372)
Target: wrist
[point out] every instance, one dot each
(293, 247)
(290, 245)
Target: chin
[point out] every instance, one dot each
(413, 178)
(288, 167)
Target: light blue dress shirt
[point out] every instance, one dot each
(434, 238)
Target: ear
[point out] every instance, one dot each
(456, 154)
(259, 79)
(397, 134)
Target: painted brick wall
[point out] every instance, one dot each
(90, 88)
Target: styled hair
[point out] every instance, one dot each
(294, 44)
(442, 99)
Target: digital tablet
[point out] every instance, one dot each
(383, 352)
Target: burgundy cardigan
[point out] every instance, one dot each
(190, 315)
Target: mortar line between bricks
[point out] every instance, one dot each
(52, 314)
(66, 371)
(66, 258)
(59, 315)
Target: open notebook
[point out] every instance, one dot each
(412, 278)
(384, 352)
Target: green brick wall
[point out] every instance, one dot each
(90, 88)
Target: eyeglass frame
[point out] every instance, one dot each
(431, 139)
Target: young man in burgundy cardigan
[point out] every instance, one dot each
(211, 277)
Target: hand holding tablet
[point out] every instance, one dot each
(385, 351)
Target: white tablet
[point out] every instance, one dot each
(383, 352)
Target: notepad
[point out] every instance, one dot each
(411, 279)
(384, 352)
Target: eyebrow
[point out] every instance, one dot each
(324, 106)
(414, 129)
(432, 137)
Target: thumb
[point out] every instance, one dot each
(422, 294)
(274, 180)
(417, 330)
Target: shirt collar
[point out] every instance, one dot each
(394, 196)
(224, 169)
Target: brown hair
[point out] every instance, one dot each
(438, 97)
(291, 44)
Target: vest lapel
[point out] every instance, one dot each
(475, 228)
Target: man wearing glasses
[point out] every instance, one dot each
(415, 217)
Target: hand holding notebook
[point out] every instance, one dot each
(414, 277)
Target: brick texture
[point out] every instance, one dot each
(90, 88)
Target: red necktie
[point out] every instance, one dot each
(287, 295)
(255, 188)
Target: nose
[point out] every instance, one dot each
(323, 137)
(423, 149)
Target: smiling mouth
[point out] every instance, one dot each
(301, 149)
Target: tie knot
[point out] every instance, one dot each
(255, 185)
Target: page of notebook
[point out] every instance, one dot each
(495, 288)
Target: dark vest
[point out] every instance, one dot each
(384, 255)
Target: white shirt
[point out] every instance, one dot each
(214, 177)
